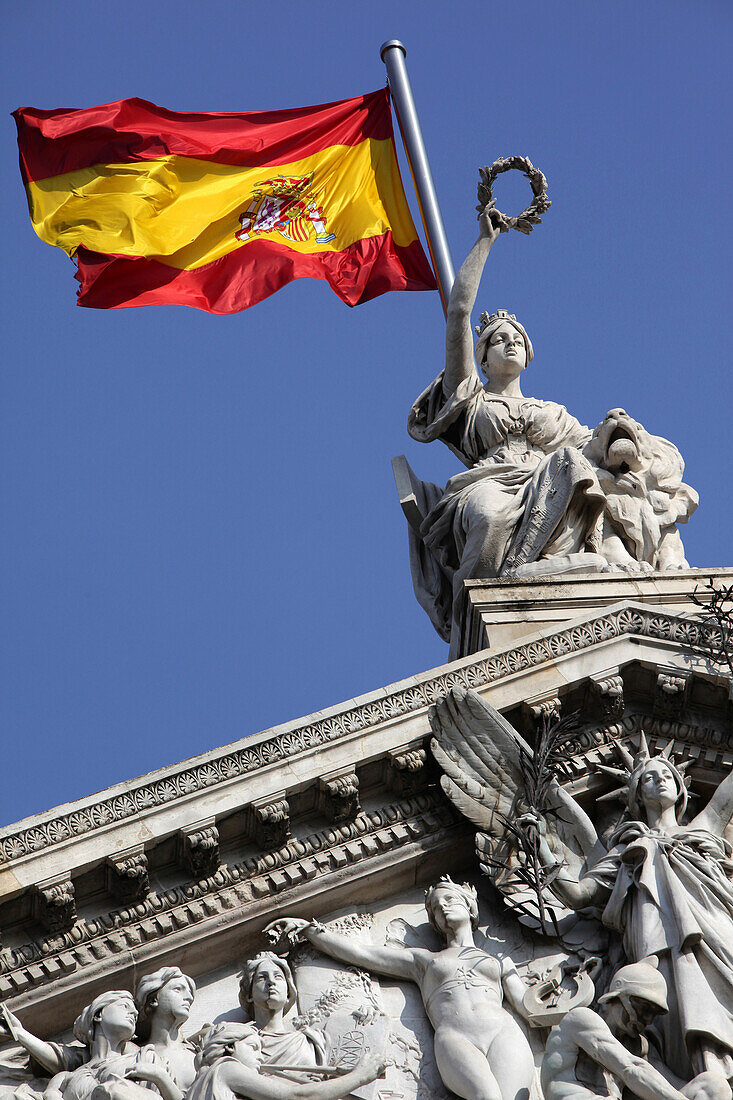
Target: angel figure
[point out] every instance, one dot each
(664, 886)
(480, 1050)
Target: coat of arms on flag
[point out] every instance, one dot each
(286, 205)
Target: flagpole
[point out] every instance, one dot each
(393, 55)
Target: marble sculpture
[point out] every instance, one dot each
(542, 494)
(592, 955)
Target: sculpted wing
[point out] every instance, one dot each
(478, 752)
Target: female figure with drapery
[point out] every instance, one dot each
(529, 492)
(666, 889)
(664, 886)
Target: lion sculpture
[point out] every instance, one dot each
(641, 476)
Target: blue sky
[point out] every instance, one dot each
(200, 535)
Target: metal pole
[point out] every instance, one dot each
(393, 55)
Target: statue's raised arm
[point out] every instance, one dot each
(459, 350)
(542, 495)
(529, 493)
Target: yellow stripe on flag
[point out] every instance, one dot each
(186, 212)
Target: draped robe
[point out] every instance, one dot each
(671, 896)
(528, 493)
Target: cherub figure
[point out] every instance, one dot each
(480, 1050)
(663, 885)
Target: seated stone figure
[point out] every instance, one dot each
(590, 1055)
(531, 501)
(230, 1063)
(267, 993)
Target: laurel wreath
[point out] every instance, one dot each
(529, 218)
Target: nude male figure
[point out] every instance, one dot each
(591, 1055)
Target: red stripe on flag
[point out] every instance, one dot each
(247, 275)
(55, 142)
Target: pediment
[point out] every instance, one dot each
(343, 805)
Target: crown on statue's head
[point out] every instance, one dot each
(487, 319)
(633, 767)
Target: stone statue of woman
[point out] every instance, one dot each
(114, 1068)
(480, 1050)
(231, 1064)
(267, 993)
(528, 491)
(663, 885)
(666, 888)
(164, 999)
(530, 501)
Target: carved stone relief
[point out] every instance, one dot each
(55, 905)
(388, 1014)
(127, 875)
(270, 822)
(408, 770)
(339, 797)
(199, 849)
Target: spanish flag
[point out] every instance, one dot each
(219, 211)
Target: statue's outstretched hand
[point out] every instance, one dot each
(9, 1023)
(491, 222)
(375, 1065)
(285, 933)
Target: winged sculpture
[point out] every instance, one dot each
(660, 884)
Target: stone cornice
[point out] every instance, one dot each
(253, 754)
(233, 887)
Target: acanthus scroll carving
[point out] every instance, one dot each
(127, 875)
(270, 822)
(607, 691)
(339, 797)
(670, 692)
(408, 771)
(199, 848)
(55, 905)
